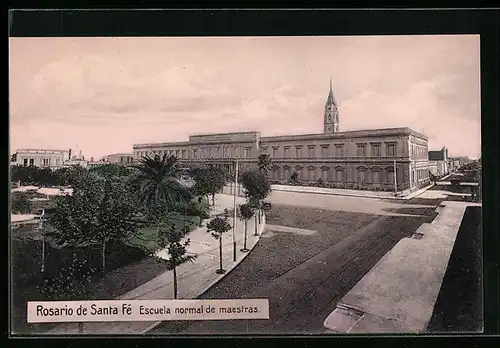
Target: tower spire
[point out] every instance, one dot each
(331, 89)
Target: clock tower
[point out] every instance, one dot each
(331, 120)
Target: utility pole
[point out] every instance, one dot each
(234, 208)
(395, 180)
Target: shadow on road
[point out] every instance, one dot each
(459, 306)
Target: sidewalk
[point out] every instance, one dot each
(194, 278)
(351, 193)
(399, 293)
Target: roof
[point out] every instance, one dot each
(331, 99)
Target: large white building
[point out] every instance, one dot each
(43, 158)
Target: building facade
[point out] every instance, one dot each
(119, 158)
(376, 158)
(43, 158)
(439, 163)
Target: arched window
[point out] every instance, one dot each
(325, 173)
(361, 174)
(286, 172)
(376, 175)
(311, 175)
(299, 171)
(339, 174)
(275, 172)
(390, 175)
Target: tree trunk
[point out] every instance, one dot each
(259, 215)
(256, 234)
(175, 282)
(245, 240)
(213, 199)
(220, 252)
(103, 257)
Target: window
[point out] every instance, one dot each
(324, 150)
(310, 150)
(195, 153)
(376, 175)
(339, 150)
(235, 152)
(311, 173)
(324, 173)
(32, 161)
(361, 174)
(391, 150)
(275, 151)
(298, 151)
(376, 150)
(248, 151)
(287, 172)
(339, 174)
(361, 150)
(57, 161)
(390, 176)
(287, 152)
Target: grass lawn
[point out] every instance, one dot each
(145, 238)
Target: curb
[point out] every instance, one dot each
(233, 266)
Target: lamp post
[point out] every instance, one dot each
(234, 208)
(395, 180)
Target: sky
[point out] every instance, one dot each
(102, 95)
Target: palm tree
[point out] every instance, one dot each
(158, 187)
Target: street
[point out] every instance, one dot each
(304, 272)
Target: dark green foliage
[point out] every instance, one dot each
(157, 185)
(112, 170)
(294, 178)
(218, 226)
(255, 184)
(245, 212)
(71, 283)
(264, 162)
(21, 203)
(208, 181)
(99, 211)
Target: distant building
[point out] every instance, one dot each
(119, 158)
(439, 164)
(43, 158)
(364, 158)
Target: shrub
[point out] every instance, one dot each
(21, 203)
(70, 283)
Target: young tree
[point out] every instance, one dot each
(294, 178)
(256, 188)
(209, 181)
(245, 213)
(217, 227)
(98, 212)
(175, 244)
(264, 162)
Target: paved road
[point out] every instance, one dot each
(304, 274)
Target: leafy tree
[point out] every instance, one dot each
(70, 284)
(217, 227)
(245, 213)
(110, 170)
(256, 188)
(264, 162)
(294, 178)
(209, 181)
(21, 203)
(98, 212)
(157, 185)
(174, 243)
